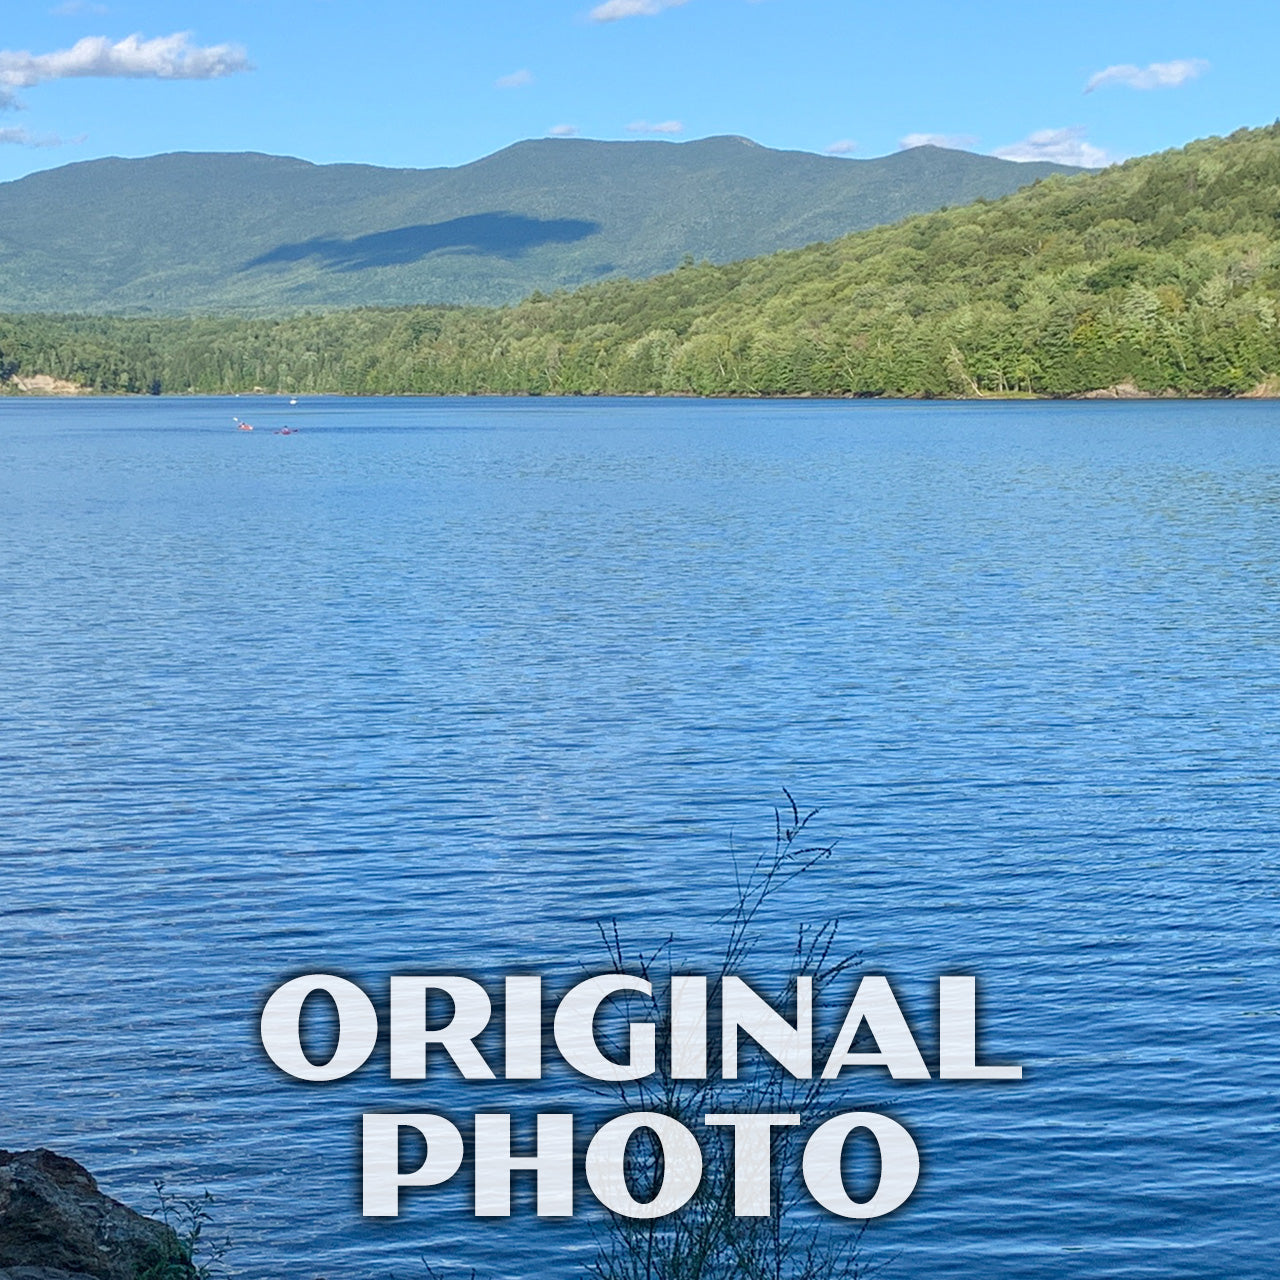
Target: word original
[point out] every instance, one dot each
(742, 1011)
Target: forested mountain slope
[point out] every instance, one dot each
(1163, 272)
(256, 233)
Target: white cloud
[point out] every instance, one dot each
(841, 148)
(1159, 75)
(1062, 146)
(952, 141)
(665, 126)
(616, 10)
(25, 138)
(563, 131)
(163, 58)
(516, 80)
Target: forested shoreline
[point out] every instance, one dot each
(1162, 274)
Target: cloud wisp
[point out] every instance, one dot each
(616, 10)
(1158, 75)
(563, 131)
(25, 138)
(663, 126)
(1059, 146)
(133, 58)
(516, 80)
(844, 147)
(952, 141)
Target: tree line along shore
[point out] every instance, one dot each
(1158, 276)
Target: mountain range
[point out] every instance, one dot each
(250, 233)
(1158, 276)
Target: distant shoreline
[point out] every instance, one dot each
(43, 387)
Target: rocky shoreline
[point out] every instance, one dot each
(56, 1225)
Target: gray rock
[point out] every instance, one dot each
(56, 1225)
(42, 1273)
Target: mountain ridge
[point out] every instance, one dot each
(251, 232)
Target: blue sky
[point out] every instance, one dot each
(419, 83)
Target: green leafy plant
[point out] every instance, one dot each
(196, 1257)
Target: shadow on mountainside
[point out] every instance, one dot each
(504, 235)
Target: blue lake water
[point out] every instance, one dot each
(436, 686)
